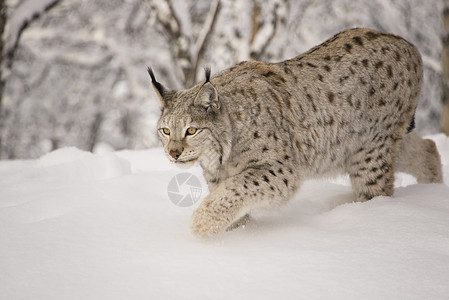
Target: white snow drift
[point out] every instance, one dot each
(76, 225)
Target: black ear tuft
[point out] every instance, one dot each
(162, 92)
(207, 71)
(156, 84)
(150, 71)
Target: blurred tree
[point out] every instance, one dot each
(28, 11)
(445, 63)
(186, 49)
(2, 82)
(79, 72)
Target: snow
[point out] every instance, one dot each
(77, 225)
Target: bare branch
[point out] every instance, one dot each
(170, 22)
(26, 13)
(202, 38)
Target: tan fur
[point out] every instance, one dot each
(263, 128)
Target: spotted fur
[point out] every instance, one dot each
(263, 128)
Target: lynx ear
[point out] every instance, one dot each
(162, 92)
(208, 98)
(208, 95)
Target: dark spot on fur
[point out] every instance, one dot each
(264, 149)
(331, 97)
(397, 56)
(265, 178)
(320, 77)
(327, 68)
(280, 171)
(268, 74)
(343, 78)
(395, 86)
(327, 57)
(368, 160)
(256, 183)
(365, 63)
(272, 172)
(371, 182)
(286, 157)
(379, 64)
(311, 65)
(256, 135)
(348, 47)
(358, 40)
(372, 91)
(329, 121)
(389, 71)
(245, 186)
(285, 182)
(349, 100)
(271, 188)
(370, 35)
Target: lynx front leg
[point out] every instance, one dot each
(231, 201)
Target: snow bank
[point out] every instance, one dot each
(74, 225)
(71, 164)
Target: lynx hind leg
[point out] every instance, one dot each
(371, 170)
(419, 157)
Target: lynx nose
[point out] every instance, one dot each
(175, 154)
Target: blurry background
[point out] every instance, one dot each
(73, 72)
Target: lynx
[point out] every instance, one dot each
(259, 129)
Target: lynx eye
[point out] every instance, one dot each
(191, 131)
(166, 131)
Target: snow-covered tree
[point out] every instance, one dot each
(78, 75)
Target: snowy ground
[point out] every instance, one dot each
(75, 225)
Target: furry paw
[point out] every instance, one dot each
(207, 223)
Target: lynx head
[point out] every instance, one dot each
(188, 125)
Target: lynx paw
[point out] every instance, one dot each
(207, 223)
